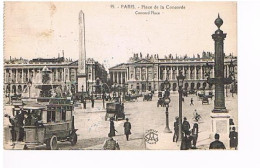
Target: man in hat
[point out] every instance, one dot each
(217, 144)
(176, 129)
(112, 127)
(185, 126)
(92, 101)
(111, 144)
(127, 127)
(195, 132)
(186, 141)
(233, 136)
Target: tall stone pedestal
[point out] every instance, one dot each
(220, 125)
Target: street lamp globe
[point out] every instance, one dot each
(180, 80)
(167, 100)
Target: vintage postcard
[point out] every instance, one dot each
(120, 76)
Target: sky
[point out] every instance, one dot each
(113, 35)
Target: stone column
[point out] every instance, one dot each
(195, 72)
(114, 77)
(189, 72)
(201, 76)
(22, 77)
(218, 37)
(121, 76)
(16, 75)
(117, 77)
(57, 75)
(134, 73)
(146, 73)
(140, 74)
(165, 72)
(28, 75)
(11, 76)
(177, 70)
(171, 69)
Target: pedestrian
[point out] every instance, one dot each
(14, 130)
(92, 102)
(191, 102)
(127, 127)
(217, 144)
(231, 124)
(186, 141)
(20, 124)
(112, 127)
(176, 129)
(233, 136)
(195, 132)
(84, 103)
(185, 126)
(110, 144)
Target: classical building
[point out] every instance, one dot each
(150, 72)
(19, 73)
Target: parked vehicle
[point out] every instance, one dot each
(205, 100)
(47, 124)
(115, 110)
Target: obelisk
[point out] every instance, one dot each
(82, 76)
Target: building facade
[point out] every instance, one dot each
(149, 73)
(19, 74)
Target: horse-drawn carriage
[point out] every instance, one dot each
(205, 100)
(148, 97)
(130, 97)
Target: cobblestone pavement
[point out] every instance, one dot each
(93, 129)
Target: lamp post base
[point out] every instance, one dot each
(220, 123)
(167, 130)
(224, 110)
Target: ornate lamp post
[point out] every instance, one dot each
(103, 96)
(180, 80)
(219, 80)
(219, 115)
(167, 101)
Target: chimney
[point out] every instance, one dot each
(62, 53)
